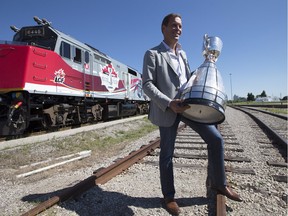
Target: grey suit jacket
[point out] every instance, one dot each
(161, 84)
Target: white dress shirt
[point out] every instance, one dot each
(177, 62)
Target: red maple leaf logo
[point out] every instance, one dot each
(109, 69)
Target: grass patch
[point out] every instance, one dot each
(277, 111)
(98, 141)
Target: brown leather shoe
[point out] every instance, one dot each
(171, 206)
(229, 193)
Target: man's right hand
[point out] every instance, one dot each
(177, 106)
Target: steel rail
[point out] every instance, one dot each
(221, 205)
(269, 131)
(266, 112)
(99, 177)
(103, 175)
(220, 199)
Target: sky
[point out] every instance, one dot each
(254, 33)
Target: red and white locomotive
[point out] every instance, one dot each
(50, 79)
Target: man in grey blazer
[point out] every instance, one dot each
(165, 71)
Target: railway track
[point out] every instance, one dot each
(268, 154)
(244, 169)
(275, 125)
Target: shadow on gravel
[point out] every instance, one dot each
(107, 203)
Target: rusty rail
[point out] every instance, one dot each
(220, 199)
(221, 205)
(99, 177)
(103, 175)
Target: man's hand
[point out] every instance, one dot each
(177, 106)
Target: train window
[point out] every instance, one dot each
(96, 57)
(65, 50)
(77, 55)
(101, 59)
(86, 57)
(130, 71)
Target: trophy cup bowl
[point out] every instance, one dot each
(204, 92)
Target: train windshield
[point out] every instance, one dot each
(41, 36)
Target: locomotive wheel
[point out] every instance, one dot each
(46, 121)
(17, 121)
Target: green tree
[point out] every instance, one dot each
(250, 97)
(263, 94)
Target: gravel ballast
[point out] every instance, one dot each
(137, 190)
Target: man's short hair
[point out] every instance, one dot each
(168, 17)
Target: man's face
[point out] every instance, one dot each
(173, 30)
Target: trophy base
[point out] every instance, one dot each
(204, 111)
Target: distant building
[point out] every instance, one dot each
(239, 99)
(267, 99)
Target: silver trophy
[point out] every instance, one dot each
(204, 92)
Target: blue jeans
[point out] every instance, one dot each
(215, 146)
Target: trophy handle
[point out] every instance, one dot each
(205, 41)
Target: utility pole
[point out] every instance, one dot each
(231, 86)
